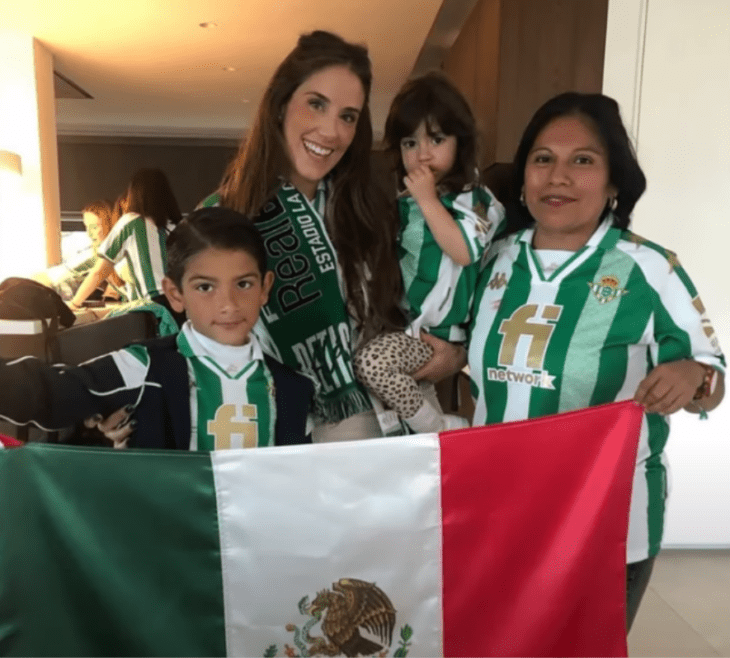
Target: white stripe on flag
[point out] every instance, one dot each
(369, 510)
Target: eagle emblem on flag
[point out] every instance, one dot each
(356, 619)
(607, 289)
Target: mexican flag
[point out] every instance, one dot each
(501, 541)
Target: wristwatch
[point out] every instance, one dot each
(709, 382)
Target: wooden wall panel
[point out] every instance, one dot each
(487, 72)
(473, 65)
(512, 55)
(460, 63)
(547, 47)
(92, 168)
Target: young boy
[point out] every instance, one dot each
(210, 387)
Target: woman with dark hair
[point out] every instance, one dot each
(149, 194)
(303, 174)
(574, 310)
(138, 236)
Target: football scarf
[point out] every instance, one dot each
(305, 323)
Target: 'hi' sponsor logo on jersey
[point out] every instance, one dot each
(225, 425)
(524, 345)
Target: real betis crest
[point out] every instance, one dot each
(356, 619)
(607, 289)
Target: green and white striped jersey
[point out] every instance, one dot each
(439, 292)
(232, 402)
(66, 277)
(585, 335)
(138, 240)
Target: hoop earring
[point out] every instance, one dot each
(613, 203)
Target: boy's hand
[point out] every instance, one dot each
(117, 428)
(421, 183)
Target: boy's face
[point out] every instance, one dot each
(222, 294)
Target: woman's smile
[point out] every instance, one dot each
(567, 183)
(557, 201)
(319, 124)
(316, 149)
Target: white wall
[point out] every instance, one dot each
(28, 128)
(668, 65)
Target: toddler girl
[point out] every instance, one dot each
(447, 222)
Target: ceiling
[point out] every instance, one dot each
(150, 68)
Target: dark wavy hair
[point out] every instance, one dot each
(361, 220)
(149, 194)
(432, 98)
(220, 228)
(601, 114)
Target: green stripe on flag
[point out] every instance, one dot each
(135, 571)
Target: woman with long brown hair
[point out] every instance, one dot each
(303, 173)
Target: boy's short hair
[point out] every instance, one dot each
(219, 228)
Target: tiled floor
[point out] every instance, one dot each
(686, 609)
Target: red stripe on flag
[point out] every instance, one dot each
(535, 517)
(9, 442)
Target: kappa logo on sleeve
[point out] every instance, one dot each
(707, 328)
(499, 280)
(356, 618)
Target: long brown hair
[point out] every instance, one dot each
(150, 195)
(362, 222)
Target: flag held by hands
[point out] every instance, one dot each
(508, 540)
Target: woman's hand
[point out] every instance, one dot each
(117, 428)
(101, 270)
(448, 359)
(670, 387)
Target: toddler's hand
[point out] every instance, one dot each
(421, 183)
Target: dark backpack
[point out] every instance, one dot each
(25, 299)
